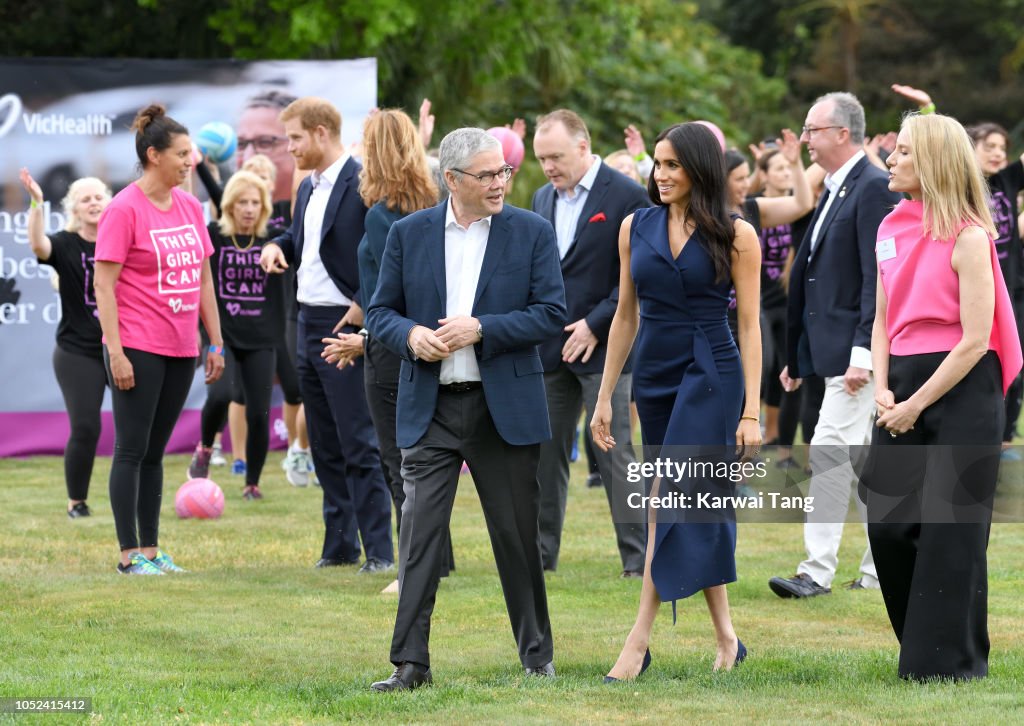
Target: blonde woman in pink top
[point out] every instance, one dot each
(152, 284)
(944, 349)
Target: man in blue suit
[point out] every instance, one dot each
(585, 200)
(466, 292)
(831, 312)
(322, 243)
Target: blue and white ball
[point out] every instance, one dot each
(217, 141)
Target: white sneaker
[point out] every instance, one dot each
(296, 470)
(217, 459)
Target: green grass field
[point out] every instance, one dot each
(254, 634)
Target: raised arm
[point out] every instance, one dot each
(784, 210)
(37, 239)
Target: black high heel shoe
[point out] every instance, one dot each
(741, 653)
(643, 666)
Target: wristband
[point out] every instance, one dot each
(750, 418)
(218, 349)
(641, 156)
(930, 108)
(33, 204)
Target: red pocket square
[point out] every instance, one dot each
(599, 217)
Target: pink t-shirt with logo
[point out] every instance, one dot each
(162, 255)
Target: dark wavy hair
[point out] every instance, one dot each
(701, 157)
(153, 127)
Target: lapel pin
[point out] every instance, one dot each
(842, 192)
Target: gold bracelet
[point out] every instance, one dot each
(750, 418)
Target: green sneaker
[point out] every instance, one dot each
(165, 563)
(138, 565)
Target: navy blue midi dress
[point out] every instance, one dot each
(688, 384)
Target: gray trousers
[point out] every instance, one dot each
(506, 481)
(568, 393)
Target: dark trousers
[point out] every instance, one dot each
(82, 380)
(801, 407)
(357, 503)
(1015, 394)
(929, 495)
(506, 481)
(568, 394)
(251, 372)
(144, 418)
(380, 369)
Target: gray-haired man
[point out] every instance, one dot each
(466, 292)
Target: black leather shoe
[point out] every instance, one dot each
(643, 667)
(594, 480)
(547, 670)
(373, 566)
(406, 677)
(627, 574)
(331, 562)
(800, 585)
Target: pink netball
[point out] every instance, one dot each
(199, 498)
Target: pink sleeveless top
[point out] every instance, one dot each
(923, 292)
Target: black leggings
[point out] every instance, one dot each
(253, 372)
(82, 379)
(144, 418)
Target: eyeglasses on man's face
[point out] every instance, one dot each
(261, 144)
(809, 131)
(485, 178)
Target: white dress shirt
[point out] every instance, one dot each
(569, 205)
(315, 286)
(463, 257)
(859, 357)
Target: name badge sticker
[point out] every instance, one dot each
(885, 249)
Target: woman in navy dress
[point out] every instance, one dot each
(693, 387)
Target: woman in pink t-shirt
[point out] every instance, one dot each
(153, 282)
(944, 349)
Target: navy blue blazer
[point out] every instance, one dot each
(341, 232)
(519, 301)
(832, 293)
(590, 268)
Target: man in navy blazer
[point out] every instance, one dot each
(466, 292)
(831, 312)
(585, 200)
(322, 243)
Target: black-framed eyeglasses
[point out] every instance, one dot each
(809, 130)
(485, 179)
(262, 144)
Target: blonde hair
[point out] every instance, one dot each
(312, 112)
(952, 186)
(261, 163)
(238, 184)
(395, 166)
(70, 199)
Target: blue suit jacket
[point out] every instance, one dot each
(341, 232)
(832, 292)
(590, 268)
(519, 301)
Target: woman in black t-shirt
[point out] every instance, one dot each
(251, 307)
(1005, 182)
(78, 355)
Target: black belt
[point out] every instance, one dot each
(460, 387)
